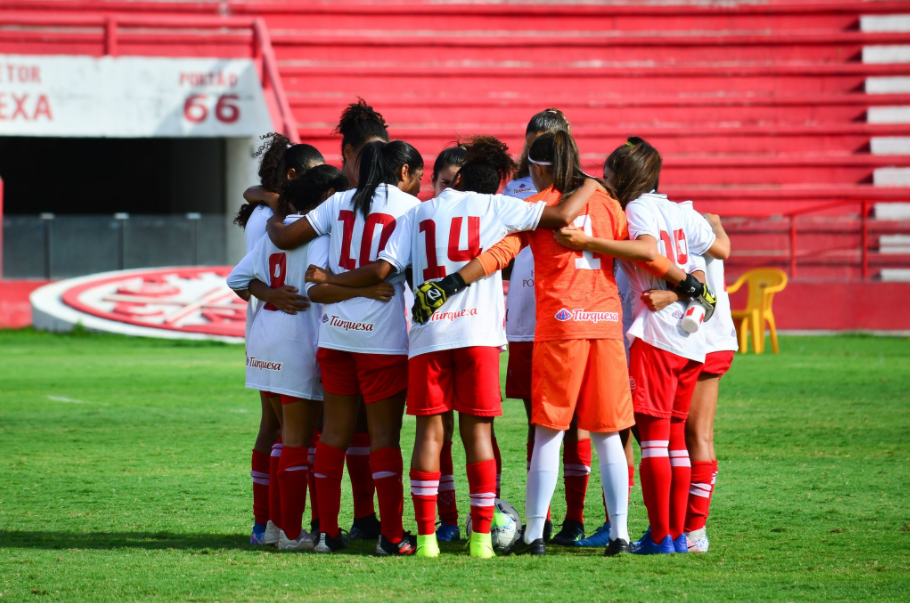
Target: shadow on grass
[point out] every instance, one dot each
(12, 539)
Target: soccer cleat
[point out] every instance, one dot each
(427, 546)
(697, 541)
(448, 533)
(482, 545)
(272, 533)
(570, 534)
(646, 546)
(600, 537)
(547, 530)
(327, 544)
(314, 527)
(538, 547)
(680, 544)
(617, 547)
(405, 546)
(304, 542)
(364, 528)
(257, 536)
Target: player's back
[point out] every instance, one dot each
(576, 292)
(520, 306)
(361, 324)
(682, 237)
(445, 234)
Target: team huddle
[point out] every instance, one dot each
(366, 303)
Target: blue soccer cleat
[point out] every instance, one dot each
(646, 546)
(600, 538)
(257, 536)
(448, 533)
(681, 544)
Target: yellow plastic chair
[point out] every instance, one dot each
(763, 284)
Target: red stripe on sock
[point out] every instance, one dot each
(482, 481)
(293, 488)
(389, 491)
(362, 486)
(260, 464)
(330, 465)
(447, 500)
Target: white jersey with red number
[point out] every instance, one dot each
(281, 348)
(625, 296)
(683, 236)
(363, 325)
(442, 236)
(254, 230)
(521, 318)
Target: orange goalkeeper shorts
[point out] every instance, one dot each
(583, 377)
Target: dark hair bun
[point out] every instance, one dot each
(491, 151)
(358, 113)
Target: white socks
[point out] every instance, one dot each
(614, 475)
(542, 477)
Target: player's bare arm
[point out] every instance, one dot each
(258, 194)
(290, 236)
(329, 294)
(365, 276)
(286, 298)
(634, 251)
(564, 214)
(721, 248)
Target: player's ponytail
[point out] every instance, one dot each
(558, 152)
(546, 122)
(379, 164)
(300, 158)
(635, 170)
(486, 164)
(359, 123)
(309, 191)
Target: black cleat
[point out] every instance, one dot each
(538, 547)
(618, 547)
(327, 544)
(364, 528)
(571, 532)
(407, 546)
(314, 527)
(547, 530)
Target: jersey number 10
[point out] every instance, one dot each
(347, 219)
(682, 246)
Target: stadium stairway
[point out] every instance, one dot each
(761, 110)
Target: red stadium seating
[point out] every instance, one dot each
(758, 109)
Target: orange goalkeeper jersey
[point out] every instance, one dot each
(575, 291)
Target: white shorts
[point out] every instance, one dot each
(282, 362)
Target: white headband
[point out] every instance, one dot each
(539, 162)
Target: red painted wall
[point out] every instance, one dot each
(15, 310)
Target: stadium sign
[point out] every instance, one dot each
(175, 303)
(130, 97)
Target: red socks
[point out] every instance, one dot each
(497, 456)
(274, 486)
(260, 474)
(311, 478)
(448, 505)
(387, 468)
(424, 490)
(329, 468)
(682, 477)
(482, 483)
(704, 473)
(576, 460)
(293, 471)
(655, 473)
(358, 459)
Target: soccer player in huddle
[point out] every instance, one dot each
(280, 163)
(362, 342)
(665, 361)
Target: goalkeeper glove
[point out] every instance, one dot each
(692, 288)
(430, 296)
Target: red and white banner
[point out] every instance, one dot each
(130, 97)
(176, 303)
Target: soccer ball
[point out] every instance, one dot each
(506, 528)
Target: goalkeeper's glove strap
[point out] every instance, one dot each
(452, 284)
(689, 288)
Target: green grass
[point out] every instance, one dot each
(124, 475)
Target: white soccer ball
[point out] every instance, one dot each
(506, 528)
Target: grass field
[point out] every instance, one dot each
(124, 475)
